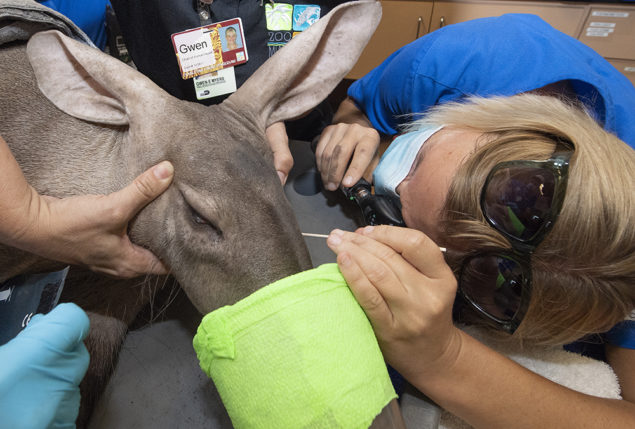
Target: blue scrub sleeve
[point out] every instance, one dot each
(622, 335)
(89, 15)
(481, 57)
(386, 94)
(41, 369)
(441, 67)
(376, 95)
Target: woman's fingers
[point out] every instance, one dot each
(401, 280)
(345, 149)
(363, 156)
(366, 293)
(92, 230)
(132, 261)
(412, 275)
(372, 276)
(279, 143)
(332, 152)
(406, 251)
(145, 188)
(414, 246)
(411, 313)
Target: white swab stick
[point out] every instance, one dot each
(310, 234)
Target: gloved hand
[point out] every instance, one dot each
(40, 370)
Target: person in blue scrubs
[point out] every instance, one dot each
(506, 55)
(398, 275)
(89, 15)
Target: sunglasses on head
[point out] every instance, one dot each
(521, 200)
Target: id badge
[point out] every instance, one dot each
(214, 84)
(285, 21)
(210, 48)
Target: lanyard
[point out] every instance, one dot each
(204, 11)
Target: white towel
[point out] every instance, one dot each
(572, 370)
(568, 369)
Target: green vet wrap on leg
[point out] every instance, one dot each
(299, 353)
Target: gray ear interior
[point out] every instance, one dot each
(85, 83)
(303, 73)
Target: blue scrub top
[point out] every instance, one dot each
(505, 55)
(623, 334)
(89, 15)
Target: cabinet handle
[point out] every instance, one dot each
(442, 22)
(419, 22)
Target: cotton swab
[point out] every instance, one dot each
(310, 234)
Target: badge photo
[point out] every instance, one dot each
(232, 39)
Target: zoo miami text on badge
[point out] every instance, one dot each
(285, 21)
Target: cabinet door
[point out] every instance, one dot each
(610, 31)
(627, 67)
(401, 23)
(567, 18)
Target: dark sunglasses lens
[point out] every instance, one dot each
(518, 200)
(494, 284)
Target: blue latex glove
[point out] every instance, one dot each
(40, 371)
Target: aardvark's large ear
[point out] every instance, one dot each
(88, 84)
(302, 74)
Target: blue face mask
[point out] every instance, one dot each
(396, 162)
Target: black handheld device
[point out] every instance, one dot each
(377, 209)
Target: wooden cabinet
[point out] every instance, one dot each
(404, 21)
(607, 28)
(627, 67)
(567, 18)
(401, 23)
(610, 31)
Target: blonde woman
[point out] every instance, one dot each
(532, 197)
(535, 208)
(230, 37)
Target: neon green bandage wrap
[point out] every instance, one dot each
(299, 353)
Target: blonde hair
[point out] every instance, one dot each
(584, 270)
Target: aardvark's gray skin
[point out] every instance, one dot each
(79, 121)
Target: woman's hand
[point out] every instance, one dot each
(352, 139)
(92, 230)
(401, 280)
(279, 143)
(341, 143)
